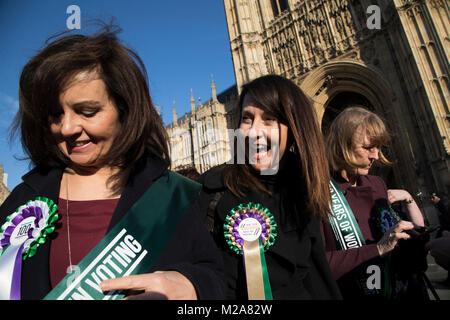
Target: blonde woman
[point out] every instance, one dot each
(363, 232)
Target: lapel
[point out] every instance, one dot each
(147, 171)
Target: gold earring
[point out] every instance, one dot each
(292, 148)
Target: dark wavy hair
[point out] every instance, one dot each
(45, 76)
(287, 102)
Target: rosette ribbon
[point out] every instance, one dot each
(20, 236)
(250, 229)
(386, 219)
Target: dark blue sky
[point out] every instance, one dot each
(182, 43)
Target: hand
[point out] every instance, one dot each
(390, 239)
(395, 195)
(435, 199)
(170, 285)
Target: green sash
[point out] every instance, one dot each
(343, 223)
(134, 244)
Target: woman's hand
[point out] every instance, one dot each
(414, 213)
(170, 285)
(395, 195)
(390, 239)
(435, 199)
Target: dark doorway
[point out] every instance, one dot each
(341, 101)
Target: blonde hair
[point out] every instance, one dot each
(349, 125)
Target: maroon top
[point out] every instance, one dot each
(89, 222)
(364, 199)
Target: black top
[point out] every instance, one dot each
(190, 250)
(296, 262)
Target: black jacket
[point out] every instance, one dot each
(296, 262)
(190, 250)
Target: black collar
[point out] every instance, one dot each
(147, 170)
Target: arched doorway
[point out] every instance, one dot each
(338, 103)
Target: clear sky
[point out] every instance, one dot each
(182, 43)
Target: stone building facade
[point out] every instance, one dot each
(201, 138)
(4, 192)
(391, 56)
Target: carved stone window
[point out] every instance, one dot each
(278, 6)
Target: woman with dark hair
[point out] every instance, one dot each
(362, 236)
(99, 203)
(264, 209)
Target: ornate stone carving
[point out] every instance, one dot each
(313, 32)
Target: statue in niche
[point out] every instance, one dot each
(306, 42)
(295, 56)
(313, 18)
(287, 58)
(279, 61)
(275, 46)
(319, 16)
(325, 35)
(333, 7)
(283, 40)
(267, 59)
(344, 4)
(338, 23)
(319, 51)
(302, 26)
(348, 17)
(314, 35)
(290, 35)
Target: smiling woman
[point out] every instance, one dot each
(76, 87)
(87, 121)
(267, 138)
(265, 214)
(101, 181)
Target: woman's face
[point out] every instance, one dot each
(365, 154)
(86, 122)
(266, 136)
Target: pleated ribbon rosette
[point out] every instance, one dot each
(250, 229)
(20, 236)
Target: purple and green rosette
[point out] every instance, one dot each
(250, 229)
(20, 236)
(385, 219)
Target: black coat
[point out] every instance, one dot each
(190, 250)
(296, 262)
